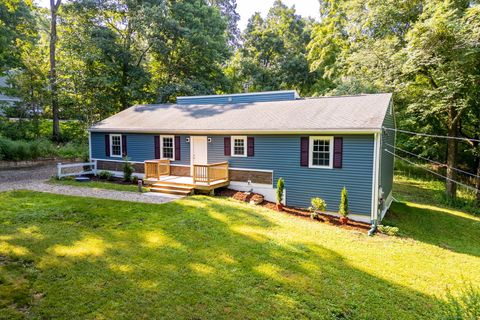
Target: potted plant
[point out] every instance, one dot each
(343, 208)
(280, 188)
(318, 205)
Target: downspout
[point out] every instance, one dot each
(373, 227)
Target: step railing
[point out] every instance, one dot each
(156, 168)
(208, 173)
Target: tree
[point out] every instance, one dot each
(273, 55)
(228, 9)
(54, 7)
(17, 26)
(191, 62)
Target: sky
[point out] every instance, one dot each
(246, 8)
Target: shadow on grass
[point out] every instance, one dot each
(197, 258)
(441, 227)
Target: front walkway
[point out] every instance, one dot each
(34, 179)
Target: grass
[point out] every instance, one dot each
(203, 257)
(97, 184)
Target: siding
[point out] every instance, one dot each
(281, 153)
(387, 159)
(246, 98)
(140, 147)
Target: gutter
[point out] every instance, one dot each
(229, 132)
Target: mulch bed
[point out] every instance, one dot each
(300, 213)
(115, 180)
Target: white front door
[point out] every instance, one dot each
(198, 150)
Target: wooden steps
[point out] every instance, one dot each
(172, 188)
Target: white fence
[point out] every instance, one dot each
(70, 169)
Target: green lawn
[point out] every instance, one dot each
(203, 258)
(98, 184)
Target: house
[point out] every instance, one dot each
(248, 141)
(5, 100)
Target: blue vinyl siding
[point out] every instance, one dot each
(140, 147)
(247, 98)
(282, 155)
(387, 159)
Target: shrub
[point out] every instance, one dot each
(464, 306)
(343, 208)
(318, 204)
(106, 175)
(19, 150)
(127, 170)
(280, 188)
(391, 231)
(135, 180)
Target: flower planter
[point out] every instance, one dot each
(343, 220)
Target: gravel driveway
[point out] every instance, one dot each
(34, 178)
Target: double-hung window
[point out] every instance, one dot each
(116, 145)
(167, 147)
(321, 152)
(239, 146)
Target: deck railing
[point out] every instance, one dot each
(208, 173)
(156, 168)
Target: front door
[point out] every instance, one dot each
(198, 145)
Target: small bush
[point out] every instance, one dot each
(343, 208)
(391, 231)
(464, 306)
(318, 204)
(106, 175)
(280, 188)
(134, 179)
(127, 170)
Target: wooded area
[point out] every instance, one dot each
(87, 59)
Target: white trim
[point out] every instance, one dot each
(241, 94)
(240, 132)
(111, 145)
(330, 151)
(232, 146)
(267, 190)
(90, 146)
(246, 169)
(375, 176)
(161, 146)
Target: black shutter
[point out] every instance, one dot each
(337, 152)
(107, 145)
(124, 145)
(177, 148)
(157, 147)
(304, 151)
(226, 146)
(250, 146)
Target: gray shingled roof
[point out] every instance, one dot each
(326, 114)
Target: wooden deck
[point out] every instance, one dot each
(205, 177)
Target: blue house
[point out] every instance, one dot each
(248, 141)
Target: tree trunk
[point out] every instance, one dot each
(477, 181)
(53, 72)
(452, 147)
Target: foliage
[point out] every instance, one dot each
(113, 245)
(280, 189)
(318, 204)
(20, 150)
(388, 230)
(464, 306)
(107, 185)
(106, 175)
(128, 170)
(343, 208)
(273, 55)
